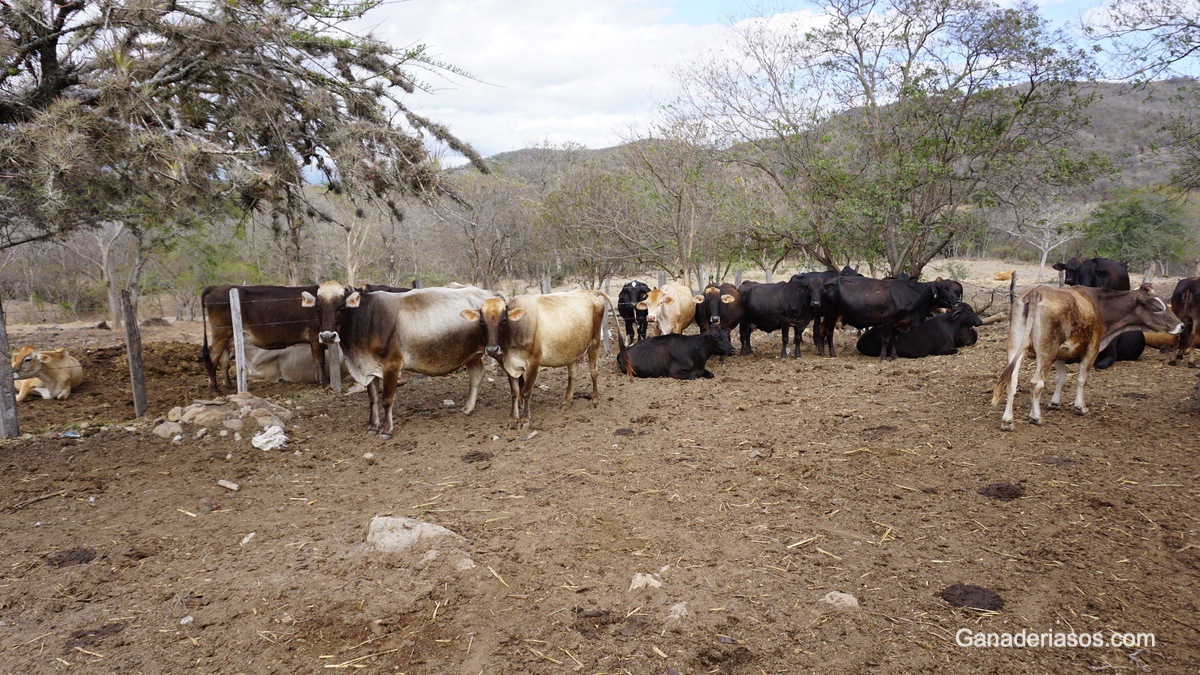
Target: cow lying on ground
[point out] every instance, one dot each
(939, 336)
(531, 332)
(50, 373)
(420, 331)
(1185, 302)
(292, 364)
(682, 357)
(631, 294)
(670, 309)
(1055, 324)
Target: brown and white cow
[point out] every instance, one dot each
(670, 309)
(420, 331)
(1076, 322)
(273, 317)
(50, 373)
(531, 332)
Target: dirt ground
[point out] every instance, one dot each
(749, 496)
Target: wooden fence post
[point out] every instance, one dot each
(545, 283)
(662, 278)
(417, 283)
(239, 340)
(333, 359)
(737, 278)
(133, 349)
(8, 395)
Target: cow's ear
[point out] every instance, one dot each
(354, 300)
(727, 298)
(668, 300)
(515, 314)
(698, 299)
(642, 305)
(42, 357)
(1059, 266)
(308, 299)
(938, 280)
(469, 315)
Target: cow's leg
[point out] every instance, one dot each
(526, 391)
(744, 331)
(594, 368)
(827, 327)
(1060, 368)
(1080, 380)
(391, 378)
(223, 364)
(568, 398)
(797, 339)
(373, 404)
(783, 349)
(1040, 370)
(475, 373)
(515, 384)
(889, 335)
(318, 356)
(1006, 420)
(1193, 337)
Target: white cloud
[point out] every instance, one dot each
(558, 70)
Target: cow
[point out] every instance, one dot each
(719, 305)
(627, 306)
(1052, 325)
(291, 364)
(670, 309)
(1095, 272)
(682, 357)
(382, 334)
(49, 373)
(942, 335)
(1113, 275)
(372, 288)
(1185, 302)
(782, 306)
(531, 332)
(863, 302)
(273, 317)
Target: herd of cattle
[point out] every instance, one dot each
(382, 331)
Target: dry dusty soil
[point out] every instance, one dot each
(749, 496)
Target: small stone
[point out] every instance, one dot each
(529, 436)
(246, 539)
(210, 417)
(641, 581)
(369, 456)
(201, 433)
(187, 620)
(677, 611)
(449, 403)
(392, 534)
(234, 424)
(224, 433)
(268, 421)
(839, 601)
(175, 414)
(228, 485)
(237, 436)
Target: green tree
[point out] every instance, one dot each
(1141, 228)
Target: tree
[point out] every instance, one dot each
(885, 124)
(170, 113)
(1143, 227)
(1045, 225)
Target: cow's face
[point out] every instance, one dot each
(331, 302)
(965, 314)
(944, 294)
(720, 339)
(709, 303)
(1070, 270)
(28, 363)
(653, 303)
(1153, 313)
(494, 317)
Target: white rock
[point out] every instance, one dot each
(677, 611)
(228, 485)
(449, 403)
(175, 414)
(641, 581)
(393, 534)
(839, 601)
(246, 539)
(201, 433)
(187, 620)
(234, 424)
(168, 429)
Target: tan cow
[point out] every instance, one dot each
(1075, 322)
(670, 309)
(51, 373)
(554, 330)
(291, 364)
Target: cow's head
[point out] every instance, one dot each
(944, 293)
(1153, 313)
(1070, 270)
(495, 317)
(28, 362)
(719, 339)
(653, 303)
(965, 314)
(709, 303)
(331, 302)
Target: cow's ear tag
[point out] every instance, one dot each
(727, 298)
(469, 315)
(515, 314)
(698, 299)
(354, 300)
(308, 299)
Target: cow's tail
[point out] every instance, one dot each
(1018, 340)
(622, 351)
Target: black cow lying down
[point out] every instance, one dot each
(939, 336)
(675, 355)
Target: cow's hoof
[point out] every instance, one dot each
(1191, 365)
(1006, 425)
(1035, 420)
(1052, 405)
(384, 437)
(1080, 411)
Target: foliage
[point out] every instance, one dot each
(1142, 227)
(155, 114)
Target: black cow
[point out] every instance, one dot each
(1113, 275)
(375, 288)
(682, 357)
(939, 336)
(631, 294)
(1185, 302)
(777, 306)
(863, 302)
(719, 305)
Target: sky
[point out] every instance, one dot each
(583, 72)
